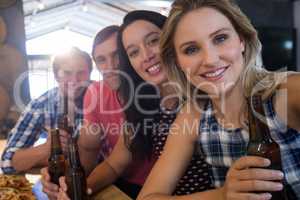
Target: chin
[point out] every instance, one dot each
(158, 80)
(113, 84)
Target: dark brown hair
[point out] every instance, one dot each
(103, 35)
(140, 145)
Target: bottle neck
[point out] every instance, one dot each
(74, 159)
(55, 142)
(66, 119)
(65, 105)
(258, 127)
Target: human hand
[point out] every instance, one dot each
(49, 188)
(246, 179)
(62, 195)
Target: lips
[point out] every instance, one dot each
(154, 69)
(215, 74)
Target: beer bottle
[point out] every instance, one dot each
(56, 161)
(75, 175)
(261, 143)
(63, 122)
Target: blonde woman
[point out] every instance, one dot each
(209, 48)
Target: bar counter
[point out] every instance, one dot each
(111, 193)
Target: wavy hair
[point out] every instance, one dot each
(253, 74)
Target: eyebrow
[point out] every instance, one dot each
(103, 56)
(146, 36)
(210, 35)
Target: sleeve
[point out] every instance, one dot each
(90, 104)
(23, 135)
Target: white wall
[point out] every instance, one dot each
(297, 26)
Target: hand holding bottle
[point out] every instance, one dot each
(248, 176)
(261, 142)
(62, 195)
(63, 188)
(49, 188)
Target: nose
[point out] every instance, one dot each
(113, 63)
(147, 53)
(210, 56)
(73, 78)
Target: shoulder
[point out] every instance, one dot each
(289, 88)
(94, 85)
(188, 118)
(287, 98)
(191, 110)
(92, 90)
(98, 87)
(51, 96)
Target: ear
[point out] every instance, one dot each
(242, 45)
(57, 76)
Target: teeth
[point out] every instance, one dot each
(214, 74)
(154, 68)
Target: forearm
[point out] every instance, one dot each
(89, 145)
(102, 176)
(88, 159)
(209, 194)
(26, 159)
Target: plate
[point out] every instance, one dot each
(15, 187)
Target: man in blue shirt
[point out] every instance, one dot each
(71, 69)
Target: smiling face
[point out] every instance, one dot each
(141, 42)
(107, 61)
(72, 75)
(209, 50)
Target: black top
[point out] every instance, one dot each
(196, 178)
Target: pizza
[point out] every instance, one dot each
(15, 187)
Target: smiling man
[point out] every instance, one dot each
(72, 69)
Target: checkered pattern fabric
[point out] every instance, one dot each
(222, 146)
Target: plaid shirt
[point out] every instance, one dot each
(222, 146)
(39, 113)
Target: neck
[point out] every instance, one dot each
(168, 95)
(230, 107)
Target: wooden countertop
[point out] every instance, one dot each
(111, 193)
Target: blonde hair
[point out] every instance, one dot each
(253, 72)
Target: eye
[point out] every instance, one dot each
(153, 41)
(220, 38)
(133, 53)
(100, 60)
(190, 50)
